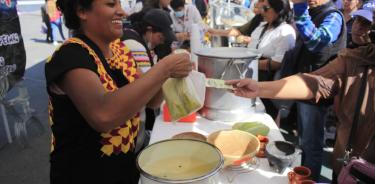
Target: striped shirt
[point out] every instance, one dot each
(315, 38)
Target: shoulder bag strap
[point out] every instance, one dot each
(361, 95)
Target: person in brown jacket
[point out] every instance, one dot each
(341, 77)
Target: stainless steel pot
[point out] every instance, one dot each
(180, 161)
(227, 63)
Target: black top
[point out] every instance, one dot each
(77, 157)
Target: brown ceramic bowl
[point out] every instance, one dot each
(236, 146)
(190, 135)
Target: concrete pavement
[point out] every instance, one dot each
(30, 165)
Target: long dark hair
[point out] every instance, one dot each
(372, 35)
(282, 8)
(177, 3)
(151, 3)
(69, 9)
(139, 25)
(142, 27)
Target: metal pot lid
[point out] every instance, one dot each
(170, 161)
(228, 52)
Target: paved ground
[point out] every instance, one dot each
(29, 165)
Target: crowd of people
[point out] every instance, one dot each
(120, 68)
(322, 77)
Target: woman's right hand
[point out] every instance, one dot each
(178, 65)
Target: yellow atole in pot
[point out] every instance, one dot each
(180, 161)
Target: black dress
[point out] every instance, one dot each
(77, 155)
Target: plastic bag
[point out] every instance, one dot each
(184, 96)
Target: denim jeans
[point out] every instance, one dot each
(311, 121)
(57, 27)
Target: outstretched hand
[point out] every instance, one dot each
(244, 87)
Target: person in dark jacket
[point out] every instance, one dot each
(322, 34)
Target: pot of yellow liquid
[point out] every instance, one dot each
(180, 161)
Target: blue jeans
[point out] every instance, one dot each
(57, 27)
(311, 121)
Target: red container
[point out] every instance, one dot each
(187, 119)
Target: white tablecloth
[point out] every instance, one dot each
(263, 172)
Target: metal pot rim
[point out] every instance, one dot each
(157, 179)
(249, 53)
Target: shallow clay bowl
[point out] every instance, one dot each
(236, 146)
(190, 135)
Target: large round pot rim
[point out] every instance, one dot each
(247, 54)
(200, 178)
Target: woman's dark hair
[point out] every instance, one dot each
(372, 36)
(175, 4)
(151, 3)
(254, 23)
(143, 27)
(282, 8)
(139, 25)
(69, 9)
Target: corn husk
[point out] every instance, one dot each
(255, 128)
(180, 99)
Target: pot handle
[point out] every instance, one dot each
(291, 176)
(229, 63)
(245, 67)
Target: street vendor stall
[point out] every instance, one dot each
(258, 172)
(181, 151)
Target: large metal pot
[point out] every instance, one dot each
(227, 63)
(180, 161)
